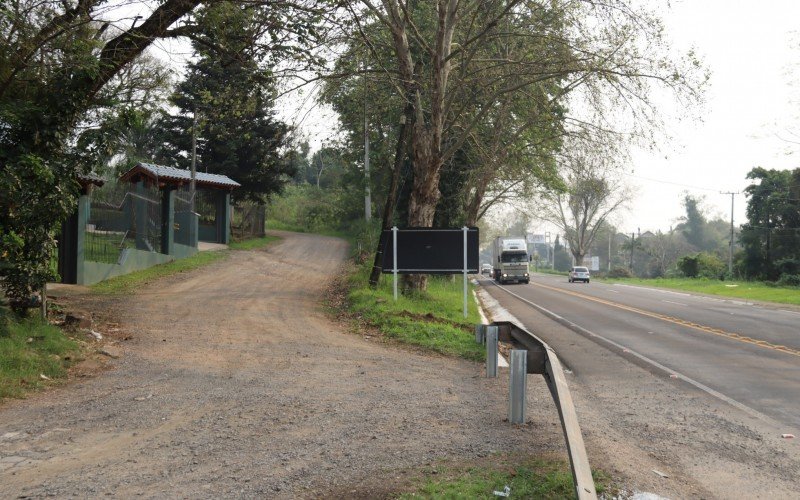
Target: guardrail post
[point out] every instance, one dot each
(491, 351)
(480, 334)
(517, 386)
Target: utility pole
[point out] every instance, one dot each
(547, 245)
(194, 160)
(609, 251)
(633, 244)
(730, 248)
(367, 192)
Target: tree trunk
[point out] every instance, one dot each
(403, 137)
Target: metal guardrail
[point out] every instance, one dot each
(542, 360)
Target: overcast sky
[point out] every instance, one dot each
(752, 50)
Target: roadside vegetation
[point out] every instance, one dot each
(33, 354)
(432, 319)
(527, 478)
(745, 290)
(253, 243)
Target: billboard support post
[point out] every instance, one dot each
(394, 258)
(466, 267)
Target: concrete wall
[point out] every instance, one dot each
(131, 260)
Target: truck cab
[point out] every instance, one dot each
(511, 260)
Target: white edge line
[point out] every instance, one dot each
(695, 383)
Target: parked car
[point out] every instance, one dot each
(579, 274)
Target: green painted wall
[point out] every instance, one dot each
(182, 251)
(133, 261)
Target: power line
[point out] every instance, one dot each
(672, 183)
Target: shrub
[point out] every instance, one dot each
(620, 272)
(789, 280)
(701, 265)
(788, 266)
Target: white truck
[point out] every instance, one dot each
(510, 260)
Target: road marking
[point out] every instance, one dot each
(659, 290)
(652, 362)
(676, 303)
(682, 322)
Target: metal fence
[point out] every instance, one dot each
(184, 215)
(122, 216)
(249, 220)
(205, 206)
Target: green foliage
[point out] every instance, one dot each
(771, 236)
(694, 223)
(620, 272)
(746, 290)
(34, 198)
(30, 349)
(432, 319)
(789, 280)
(562, 260)
(306, 208)
(231, 97)
(701, 265)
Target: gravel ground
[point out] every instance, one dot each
(234, 383)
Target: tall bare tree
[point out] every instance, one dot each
(594, 193)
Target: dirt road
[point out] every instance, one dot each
(235, 383)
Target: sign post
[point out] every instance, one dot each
(394, 259)
(425, 250)
(465, 229)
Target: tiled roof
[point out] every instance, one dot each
(162, 172)
(86, 179)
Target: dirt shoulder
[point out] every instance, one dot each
(233, 382)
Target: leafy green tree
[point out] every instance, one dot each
(771, 236)
(693, 225)
(701, 265)
(227, 100)
(561, 258)
(593, 194)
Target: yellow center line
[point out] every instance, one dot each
(681, 322)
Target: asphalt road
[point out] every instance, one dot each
(745, 354)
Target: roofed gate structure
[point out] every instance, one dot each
(148, 217)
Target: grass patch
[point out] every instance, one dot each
(30, 349)
(532, 478)
(253, 243)
(129, 282)
(278, 225)
(746, 290)
(433, 320)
